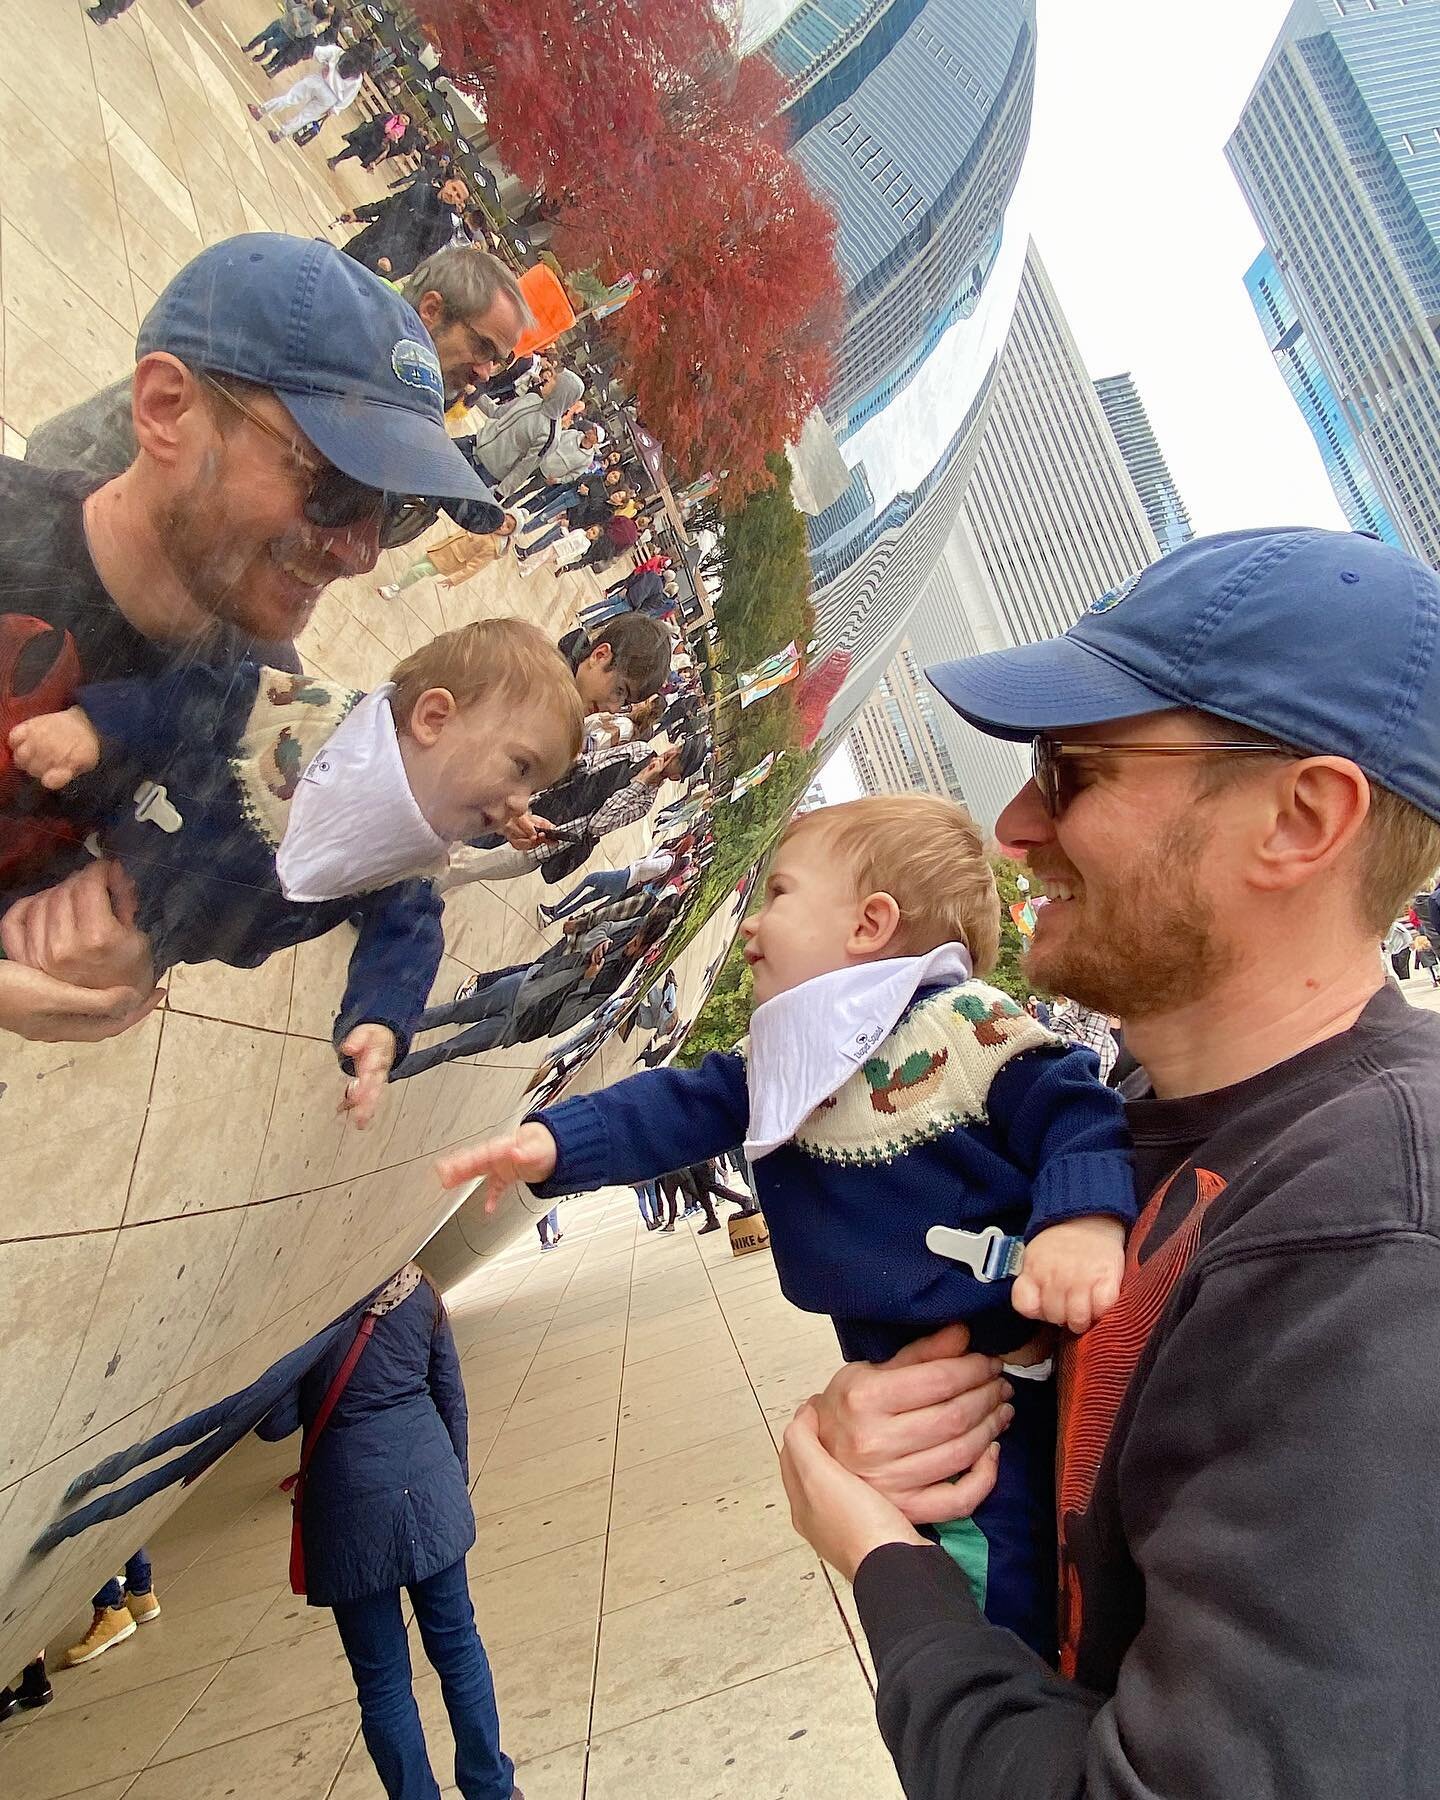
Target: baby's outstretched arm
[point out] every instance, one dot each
(1071, 1273)
(527, 1154)
(56, 747)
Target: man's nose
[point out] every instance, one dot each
(355, 547)
(1024, 824)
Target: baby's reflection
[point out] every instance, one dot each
(264, 808)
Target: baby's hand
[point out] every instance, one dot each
(528, 1154)
(55, 747)
(371, 1049)
(1071, 1273)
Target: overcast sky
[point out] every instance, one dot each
(1128, 195)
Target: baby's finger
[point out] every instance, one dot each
(466, 1165)
(1025, 1296)
(1079, 1315)
(1106, 1293)
(953, 1499)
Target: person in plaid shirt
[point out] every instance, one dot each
(1089, 1029)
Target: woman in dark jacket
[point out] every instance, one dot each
(385, 1505)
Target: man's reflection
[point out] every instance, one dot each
(284, 403)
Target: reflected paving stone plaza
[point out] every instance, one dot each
(159, 1250)
(655, 1627)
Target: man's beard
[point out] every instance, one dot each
(196, 543)
(1148, 941)
(221, 574)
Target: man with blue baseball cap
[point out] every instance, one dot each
(1236, 788)
(288, 407)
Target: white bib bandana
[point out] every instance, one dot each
(805, 1044)
(354, 825)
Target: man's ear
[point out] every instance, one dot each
(166, 403)
(877, 921)
(429, 713)
(1311, 817)
(602, 656)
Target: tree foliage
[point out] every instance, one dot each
(818, 688)
(766, 598)
(662, 154)
(725, 1017)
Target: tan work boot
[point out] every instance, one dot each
(111, 1625)
(143, 1607)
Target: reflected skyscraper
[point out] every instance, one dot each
(1338, 155)
(1311, 390)
(911, 118)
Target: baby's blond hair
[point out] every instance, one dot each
(927, 854)
(507, 657)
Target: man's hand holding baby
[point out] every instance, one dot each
(55, 747)
(1071, 1273)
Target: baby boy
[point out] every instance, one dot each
(271, 807)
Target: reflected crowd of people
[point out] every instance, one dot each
(177, 787)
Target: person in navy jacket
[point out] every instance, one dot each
(386, 1506)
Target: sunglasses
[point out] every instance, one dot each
(1052, 761)
(336, 501)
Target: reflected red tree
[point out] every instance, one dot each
(662, 155)
(816, 694)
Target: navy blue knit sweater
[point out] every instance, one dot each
(847, 1222)
(209, 892)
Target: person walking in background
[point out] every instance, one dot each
(1089, 1029)
(401, 231)
(609, 884)
(553, 545)
(314, 98)
(1397, 948)
(618, 535)
(382, 1503)
(1426, 956)
(548, 1228)
(455, 559)
(507, 451)
(387, 134)
(290, 38)
(121, 1605)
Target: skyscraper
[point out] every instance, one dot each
(896, 743)
(1338, 155)
(911, 117)
(1310, 387)
(1145, 460)
(1050, 520)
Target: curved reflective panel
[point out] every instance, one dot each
(187, 1195)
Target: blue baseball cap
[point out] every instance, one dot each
(1326, 640)
(350, 360)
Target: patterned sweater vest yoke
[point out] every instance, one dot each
(930, 1077)
(293, 717)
